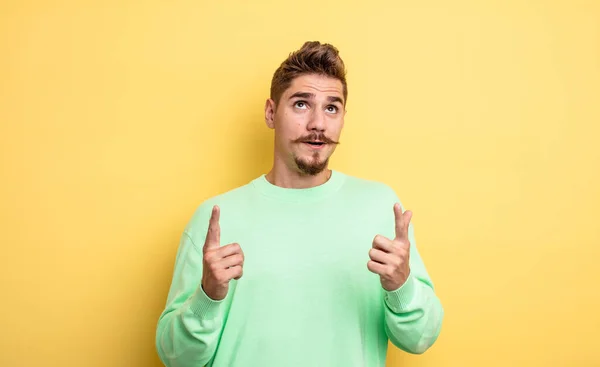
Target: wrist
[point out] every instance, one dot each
(400, 299)
(214, 293)
(202, 305)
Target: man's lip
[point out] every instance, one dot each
(315, 146)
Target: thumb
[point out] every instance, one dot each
(213, 236)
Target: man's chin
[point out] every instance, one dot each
(311, 168)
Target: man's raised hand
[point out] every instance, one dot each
(220, 264)
(390, 258)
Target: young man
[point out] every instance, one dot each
(304, 266)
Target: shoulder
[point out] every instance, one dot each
(227, 201)
(371, 189)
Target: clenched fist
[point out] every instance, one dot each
(220, 264)
(390, 258)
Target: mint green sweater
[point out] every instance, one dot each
(306, 297)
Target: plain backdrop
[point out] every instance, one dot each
(118, 118)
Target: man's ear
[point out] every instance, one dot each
(270, 113)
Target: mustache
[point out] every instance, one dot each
(316, 137)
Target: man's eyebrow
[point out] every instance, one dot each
(335, 99)
(305, 95)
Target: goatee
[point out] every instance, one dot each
(311, 168)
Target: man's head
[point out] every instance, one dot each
(307, 104)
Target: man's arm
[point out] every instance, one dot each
(413, 312)
(189, 328)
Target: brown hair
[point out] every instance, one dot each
(312, 58)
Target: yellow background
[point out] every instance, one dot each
(119, 118)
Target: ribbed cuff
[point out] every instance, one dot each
(400, 299)
(203, 306)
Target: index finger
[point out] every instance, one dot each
(213, 236)
(402, 221)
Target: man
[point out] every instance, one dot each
(304, 266)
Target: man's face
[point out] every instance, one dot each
(308, 121)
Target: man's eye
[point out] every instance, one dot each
(301, 105)
(332, 109)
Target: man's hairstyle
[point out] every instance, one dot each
(312, 58)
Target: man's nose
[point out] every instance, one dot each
(317, 121)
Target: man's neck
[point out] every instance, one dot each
(287, 178)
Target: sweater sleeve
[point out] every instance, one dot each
(190, 326)
(413, 312)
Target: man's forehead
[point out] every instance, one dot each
(316, 84)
